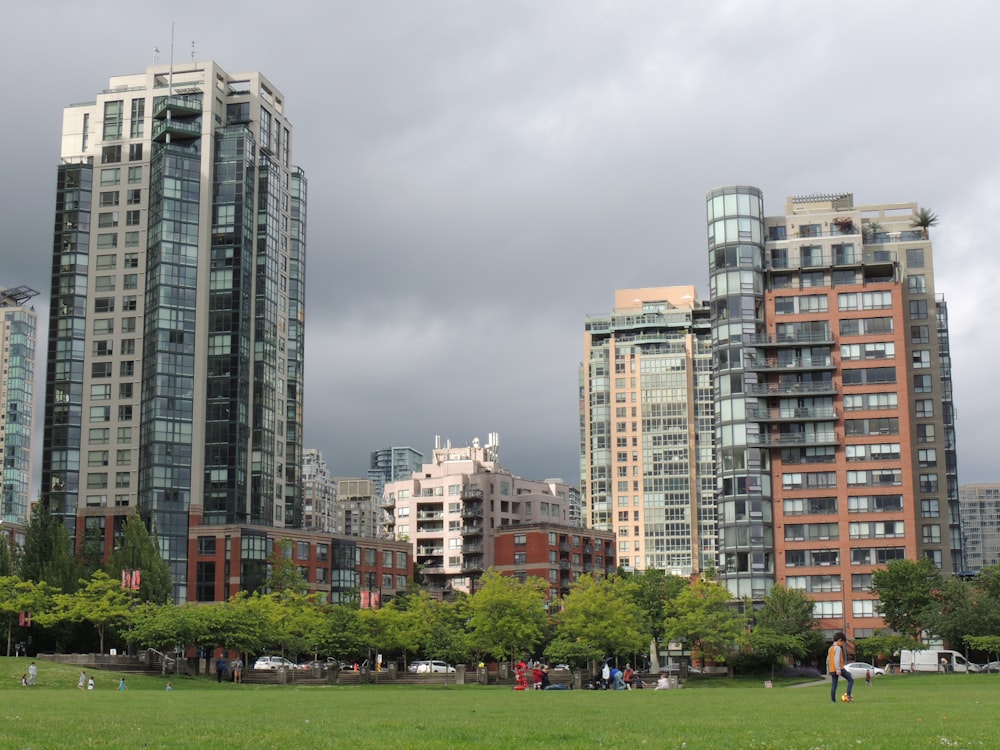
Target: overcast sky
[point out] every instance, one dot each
(483, 175)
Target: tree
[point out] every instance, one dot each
(17, 597)
(284, 574)
(905, 592)
(101, 601)
(48, 552)
(138, 551)
(507, 617)
(703, 617)
(924, 219)
(345, 636)
(6, 555)
(651, 590)
(882, 646)
(599, 618)
(785, 626)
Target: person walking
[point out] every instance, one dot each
(220, 667)
(237, 670)
(81, 684)
(121, 685)
(836, 658)
(32, 673)
(606, 674)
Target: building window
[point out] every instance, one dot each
(925, 408)
(520, 540)
(931, 533)
(302, 550)
(918, 309)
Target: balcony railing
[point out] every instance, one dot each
(472, 511)
(472, 531)
(757, 364)
(472, 494)
(789, 339)
(781, 389)
(781, 440)
(798, 414)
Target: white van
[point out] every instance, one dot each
(934, 660)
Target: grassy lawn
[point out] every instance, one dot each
(921, 711)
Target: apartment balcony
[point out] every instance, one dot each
(588, 549)
(388, 502)
(177, 129)
(588, 568)
(470, 494)
(771, 364)
(564, 547)
(181, 106)
(434, 570)
(473, 548)
(421, 551)
(811, 338)
(794, 440)
(472, 531)
(798, 414)
(472, 511)
(428, 515)
(472, 566)
(430, 528)
(791, 389)
(564, 565)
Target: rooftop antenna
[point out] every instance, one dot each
(170, 75)
(156, 56)
(192, 50)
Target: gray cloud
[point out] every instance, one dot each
(483, 175)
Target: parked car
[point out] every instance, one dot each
(274, 662)
(858, 669)
(429, 666)
(561, 666)
(990, 666)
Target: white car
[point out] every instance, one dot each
(430, 667)
(274, 662)
(859, 669)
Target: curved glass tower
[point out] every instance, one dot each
(743, 486)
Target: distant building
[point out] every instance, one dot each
(356, 509)
(979, 506)
(18, 324)
(451, 510)
(233, 558)
(647, 430)
(556, 553)
(319, 491)
(389, 464)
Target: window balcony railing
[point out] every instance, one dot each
(757, 364)
(781, 389)
(798, 414)
(782, 440)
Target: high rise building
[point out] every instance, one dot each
(356, 508)
(451, 509)
(980, 511)
(835, 435)
(174, 381)
(646, 429)
(389, 464)
(17, 404)
(319, 491)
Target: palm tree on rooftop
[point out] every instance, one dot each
(924, 219)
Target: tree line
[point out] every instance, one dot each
(74, 599)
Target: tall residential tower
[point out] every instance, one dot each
(174, 382)
(18, 323)
(835, 434)
(646, 423)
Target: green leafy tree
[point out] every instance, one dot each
(652, 589)
(138, 551)
(48, 552)
(284, 575)
(508, 617)
(296, 622)
(17, 596)
(6, 556)
(100, 601)
(784, 627)
(905, 589)
(345, 636)
(599, 618)
(703, 617)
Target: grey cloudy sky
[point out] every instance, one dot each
(482, 175)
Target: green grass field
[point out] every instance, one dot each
(923, 711)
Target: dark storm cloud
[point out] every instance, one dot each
(483, 175)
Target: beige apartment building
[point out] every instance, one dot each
(451, 509)
(646, 423)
